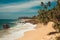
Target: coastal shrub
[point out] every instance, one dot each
(57, 27)
(58, 38)
(45, 15)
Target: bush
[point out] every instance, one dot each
(57, 27)
(58, 38)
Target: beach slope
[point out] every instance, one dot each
(41, 33)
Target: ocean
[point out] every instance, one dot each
(16, 29)
(10, 22)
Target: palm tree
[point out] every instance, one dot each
(42, 4)
(58, 3)
(43, 13)
(49, 3)
(46, 5)
(54, 14)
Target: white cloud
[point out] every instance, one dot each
(21, 7)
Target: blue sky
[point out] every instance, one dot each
(12, 9)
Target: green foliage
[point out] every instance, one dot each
(43, 16)
(50, 15)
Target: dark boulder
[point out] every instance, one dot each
(5, 26)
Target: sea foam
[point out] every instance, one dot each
(17, 31)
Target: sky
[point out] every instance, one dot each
(12, 9)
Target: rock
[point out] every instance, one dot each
(5, 26)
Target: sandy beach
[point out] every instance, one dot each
(29, 19)
(41, 33)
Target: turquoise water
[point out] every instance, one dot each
(10, 22)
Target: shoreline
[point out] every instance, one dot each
(41, 33)
(17, 31)
(32, 32)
